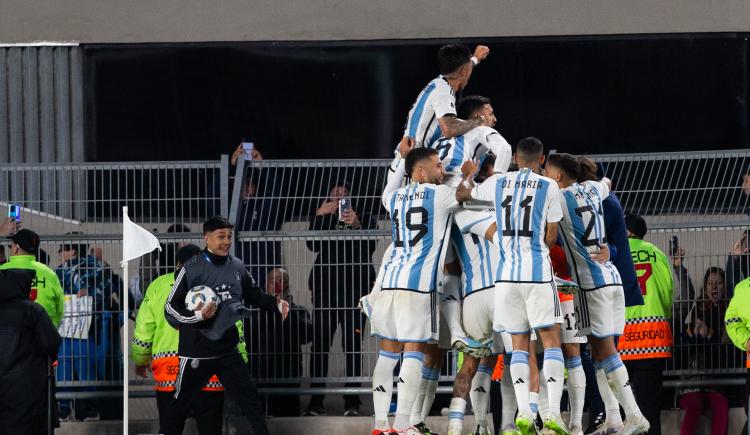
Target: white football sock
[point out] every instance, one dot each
(480, 394)
(450, 306)
(534, 402)
(426, 395)
(611, 405)
(554, 375)
(519, 372)
(542, 399)
(508, 396)
(409, 378)
(576, 390)
(382, 387)
(456, 414)
(617, 375)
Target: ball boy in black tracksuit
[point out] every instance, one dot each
(208, 336)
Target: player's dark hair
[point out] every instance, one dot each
(588, 169)
(468, 105)
(567, 163)
(417, 155)
(216, 223)
(529, 148)
(452, 57)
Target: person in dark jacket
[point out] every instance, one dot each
(276, 346)
(208, 336)
(28, 346)
(341, 274)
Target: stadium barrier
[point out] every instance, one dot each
(273, 211)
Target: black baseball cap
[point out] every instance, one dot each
(26, 240)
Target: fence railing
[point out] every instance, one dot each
(275, 204)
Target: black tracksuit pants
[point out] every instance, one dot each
(233, 374)
(646, 377)
(207, 409)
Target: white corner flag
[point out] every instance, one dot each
(136, 241)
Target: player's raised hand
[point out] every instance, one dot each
(602, 255)
(481, 52)
(469, 168)
(406, 145)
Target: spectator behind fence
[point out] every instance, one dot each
(45, 289)
(28, 345)
(261, 209)
(88, 351)
(737, 322)
(684, 292)
(646, 342)
(276, 346)
(738, 262)
(706, 340)
(154, 346)
(342, 273)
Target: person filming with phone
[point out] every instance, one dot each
(341, 274)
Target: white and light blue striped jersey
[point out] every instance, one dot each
(420, 214)
(581, 230)
(524, 203)
(471, 146)
(478, 256)
(435, 101)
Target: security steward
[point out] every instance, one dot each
(646, 343)
(45, 289)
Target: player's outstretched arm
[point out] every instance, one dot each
(450, 126)
(174, 310)
(395, 177)
(253, 295)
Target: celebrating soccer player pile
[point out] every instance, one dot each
(469, 268)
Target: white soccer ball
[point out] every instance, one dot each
(199, 294)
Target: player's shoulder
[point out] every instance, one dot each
(543, 179)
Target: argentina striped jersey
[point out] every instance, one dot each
(478, 256)
(582, 230)
(420, 215)
(524, 203)
(471, 146)
(435, 101)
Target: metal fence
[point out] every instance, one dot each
(282, 211)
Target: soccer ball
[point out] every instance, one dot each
(199, 294)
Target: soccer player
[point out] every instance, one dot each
(454, 152)
(433, 114)
(155, 343)
(527, 212)
(470, 237)
(600, 303)
(403, 313)
(475, 144)
(208, 336)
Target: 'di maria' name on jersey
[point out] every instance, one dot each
(521, 184)
(414, 195)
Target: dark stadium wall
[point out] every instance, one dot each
(607, 94)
